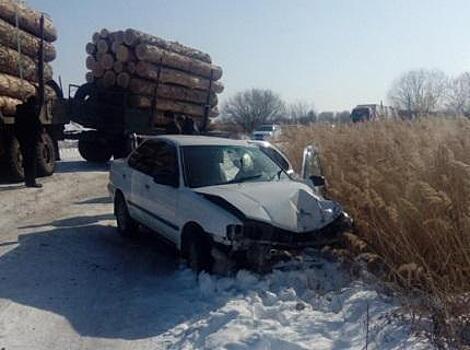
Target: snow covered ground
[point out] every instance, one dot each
(68, 281)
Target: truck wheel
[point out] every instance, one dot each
(14, 160)
(127, 226)
(93, 147)
(199, 253)
(46, 156)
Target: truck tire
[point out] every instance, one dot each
(127, 226)
(93, 147)
(46, 156)
(14, 160)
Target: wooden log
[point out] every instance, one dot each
(90, 62)
(90, 48)
(8, 105)
(124, 54)
(107, 61)
(109, 79)
(114, 47)
(89, 77)
(11, 62)
(131, 67)
(9, 37)
(170, 92)
(171, 76)
(95, 37)
(134, 37)
(154, 54)
(191, 109)
(29, 19)
(99, 56)
(122, 80)
(102, 46)
(98, 71)
(118, 67)
(15, 87)
(104, 33)
(117, 37)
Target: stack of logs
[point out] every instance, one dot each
(156, 74)
(19, 46)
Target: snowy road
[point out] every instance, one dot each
(68, 281)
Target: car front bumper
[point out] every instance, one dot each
(262, 234)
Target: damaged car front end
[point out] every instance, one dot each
(271, 213)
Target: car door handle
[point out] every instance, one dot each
(147, 187)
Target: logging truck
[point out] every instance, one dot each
(25, 50)
(135, 78)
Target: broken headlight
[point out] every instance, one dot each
(234, 232)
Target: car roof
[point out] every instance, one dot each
(196, 140)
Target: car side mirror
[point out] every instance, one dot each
(317, 180)
(166, 179)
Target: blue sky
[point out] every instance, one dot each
(332, 53)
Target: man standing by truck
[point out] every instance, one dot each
(28, 131)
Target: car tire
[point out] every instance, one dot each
(199, 255)
(126, 225)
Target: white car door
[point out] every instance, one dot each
(140, 164)
(156, 187)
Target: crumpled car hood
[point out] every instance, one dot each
(289, 205)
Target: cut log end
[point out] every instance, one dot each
(89, 77)
(102, 46)
(90, 48)
(104, 33)
(118, 67)
(107, 61)
(123, 80)
(109, 79)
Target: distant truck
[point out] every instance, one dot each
(367, 112)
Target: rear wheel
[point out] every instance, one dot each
(127, 226)
(93, 147)
(46, 156)
(14, 160)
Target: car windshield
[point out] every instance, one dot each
(219, 165)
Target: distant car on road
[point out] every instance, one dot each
(214, 197)
(265, 132)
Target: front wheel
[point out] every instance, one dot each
(199, 254)
(127, 226)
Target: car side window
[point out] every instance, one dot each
(157, 159)
(142, 159)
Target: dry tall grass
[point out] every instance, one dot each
(407, 185)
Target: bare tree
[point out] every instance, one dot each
(251, 108)
(458, 94)
(326, 117)
(301, 112)
(419, 92)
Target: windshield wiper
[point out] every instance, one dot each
(244, 179)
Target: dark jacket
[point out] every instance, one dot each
(27, 124)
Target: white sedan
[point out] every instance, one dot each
(214, 197)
